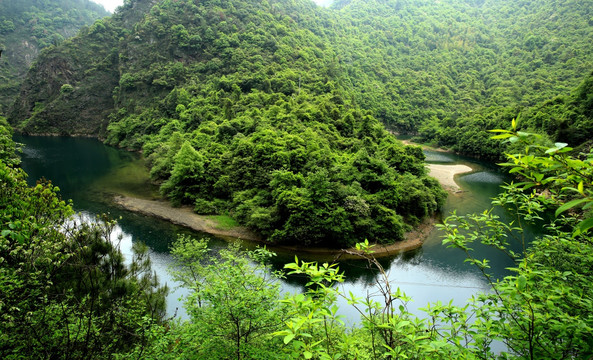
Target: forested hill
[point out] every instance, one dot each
(272, 110)
(449, 70)
(437, 69)
(239, 109)
(565, 118)
(28, 26)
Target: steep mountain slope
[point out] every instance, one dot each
(29, 26)
(452, 69)
(565, 118)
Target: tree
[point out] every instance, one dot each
(186, 179)
(65, 291)
(233, 306)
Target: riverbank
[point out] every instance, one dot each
(445, 174)
(184, 216)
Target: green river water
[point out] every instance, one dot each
(89, 172)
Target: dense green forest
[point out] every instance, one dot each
(274, 111)
(29, 26)
(449, 70)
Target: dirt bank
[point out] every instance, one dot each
(184, 216)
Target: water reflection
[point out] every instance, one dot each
(87, 171)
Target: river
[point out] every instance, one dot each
(88, 172)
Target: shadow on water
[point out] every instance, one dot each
(88, 172)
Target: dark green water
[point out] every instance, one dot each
(89, 172)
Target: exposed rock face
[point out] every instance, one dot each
(29, 26)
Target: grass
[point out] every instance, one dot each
(224, 222)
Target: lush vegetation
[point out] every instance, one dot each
(29, 26)
(273, 112)
(240, 117)
(566, 117)
(446, 70)
(65, 291)
(541, 311)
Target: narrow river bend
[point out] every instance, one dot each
(87, 172)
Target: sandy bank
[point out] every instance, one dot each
(445, 174)
(184, 216)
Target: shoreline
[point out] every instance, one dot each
(444, 173)
(184, 216)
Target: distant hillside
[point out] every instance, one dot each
(28, 26)
(451, 69)
(564, 118)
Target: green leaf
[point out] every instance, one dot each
(288, 337)
(584, 226)
(19, 238)
(516, 169)
(566, 149)
(501, 136)
(570, 205)
(308, 354)
(521, 282)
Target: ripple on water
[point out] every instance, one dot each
(439, 157)
(483, 177)
(32, 153)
